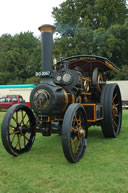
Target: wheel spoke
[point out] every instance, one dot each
(79, 120)
(114, 97)
(17, 116)
(24, 141)
(15, 120)
(15, 132)
(27, 124)
(74, 129)
(17, 141)
(116, 105)
(114, 122)
(11, 126)
(23, 117)
(115, 115)
(26, 137)
(75, 118)
(77, 123)
(73, 141)
(13, 138)
(76, 147)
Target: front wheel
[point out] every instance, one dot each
(17, 129)
(74, 132)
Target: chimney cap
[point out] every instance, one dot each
(47, 28)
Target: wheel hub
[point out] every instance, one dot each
(82, 132)
(79, 133)
(115, 110)
(21, 130)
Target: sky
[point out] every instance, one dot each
(25, 15)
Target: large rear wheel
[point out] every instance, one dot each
(74, 132)
(17, 129)
(111, 99)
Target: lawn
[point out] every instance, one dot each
(44, 169)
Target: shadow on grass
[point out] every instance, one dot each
(53, 143)
(46, 145)
(49, 149)
(95, 133)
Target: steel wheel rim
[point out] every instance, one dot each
(20, 135)
(116, 110)
(78, 134)
(99, 81)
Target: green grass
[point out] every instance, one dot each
(44, 169)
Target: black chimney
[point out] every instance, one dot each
(47, 44)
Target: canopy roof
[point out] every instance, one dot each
(87, 63)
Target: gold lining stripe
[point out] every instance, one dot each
(111, 66)
(80, 99)
(73, 98)
(84, 78)
(86, 93)
(94, 112)
(66, 100)
(88, 104)
(48, 120)
(94, 115)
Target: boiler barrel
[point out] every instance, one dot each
(49, 99)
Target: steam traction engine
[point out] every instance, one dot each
(68, 100)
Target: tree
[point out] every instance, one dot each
(19, 57)
(95, 27)
(94, 14)
(123, 75)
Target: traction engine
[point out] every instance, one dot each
(71, 97)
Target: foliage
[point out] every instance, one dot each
(19, 57)
(96, 27)
(32, 80)
(93, 14)
(123, 75)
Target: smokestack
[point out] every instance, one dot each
(47, 44)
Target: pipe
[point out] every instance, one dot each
(47, 45)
